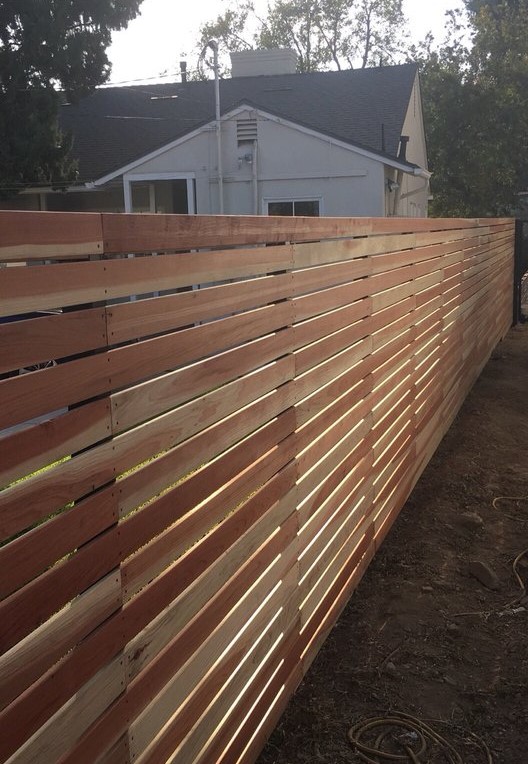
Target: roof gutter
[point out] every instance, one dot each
(419, 172)
(89, 186)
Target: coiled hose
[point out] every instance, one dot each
(412, 735)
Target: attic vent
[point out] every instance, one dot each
(246, 131)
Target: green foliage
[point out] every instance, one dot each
(46, 45)
(476, 112)
(324, 33)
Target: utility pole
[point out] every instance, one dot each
(214, 47)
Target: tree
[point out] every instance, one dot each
(476, 110)
(324, 33)
(47, 45)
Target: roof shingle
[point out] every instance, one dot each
(117, 125)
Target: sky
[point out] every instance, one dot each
(164, 33)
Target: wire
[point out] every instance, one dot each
(509, 607)
(413, 736)
(176, 73)
(519, 580)
(508, 498)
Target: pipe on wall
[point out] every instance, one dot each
(254, 178)
(218, 124)
(397, 192)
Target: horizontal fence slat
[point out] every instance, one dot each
(31, 554)
(43, 235)
(159, 314)
(65, 727)
(50, 337)
(49, 389)
(133, 233)
(63, 284)
(36, 446)
(233, 582)
(148, 399)
(23, 664)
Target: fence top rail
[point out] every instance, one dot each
(39, 235)
(26, 235)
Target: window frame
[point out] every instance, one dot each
(266, 201)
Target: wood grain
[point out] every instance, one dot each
(211, 609)
(24, 664)
(58, 286)
(29, 555)
(159, 314)
(147, 233)
(32, 605)
(51, 337)
(141, 402)
(49, 235)
(40, 445)
(49, 389)
(65, 727)
(168, 469)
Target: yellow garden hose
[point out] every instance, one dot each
(413, 736)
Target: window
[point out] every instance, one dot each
(301, 207)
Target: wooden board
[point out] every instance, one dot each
(139, 403)
(60, 733)
(51, 337)
(147, 233)
(60, 285)
(35, 603)
(31, 658)
(39, 445)
(157, 555)
(253, 562)
(168, 469)
(49, 389)
(49, 235)
(146, 317)
(265, 450)
(31, 554)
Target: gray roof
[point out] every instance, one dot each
(118, 125)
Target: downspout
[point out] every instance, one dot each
(397, 192)
(254, 178)
(127, 194)
(214, 47)
(402, 154)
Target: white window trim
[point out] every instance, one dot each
(294, 198)
(151, 177)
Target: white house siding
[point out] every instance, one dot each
(292, 164)
(414, 205)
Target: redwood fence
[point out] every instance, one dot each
(218, 432)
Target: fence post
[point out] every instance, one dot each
(520, 267)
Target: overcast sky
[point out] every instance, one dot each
(165, 33)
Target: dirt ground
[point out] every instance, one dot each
(422, 635)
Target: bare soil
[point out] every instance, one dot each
(422, 635)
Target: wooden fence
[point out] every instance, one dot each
(215, 443)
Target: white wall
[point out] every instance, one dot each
(291, 165)
(415, 205)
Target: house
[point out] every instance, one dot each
(325, 143)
